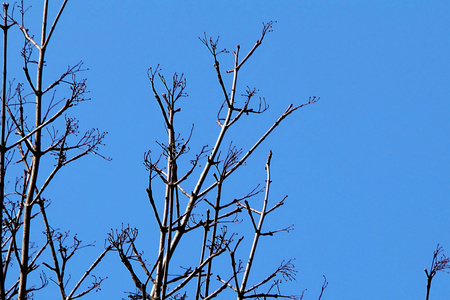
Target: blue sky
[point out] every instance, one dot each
(366, 168)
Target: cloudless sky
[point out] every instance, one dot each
(366, 168)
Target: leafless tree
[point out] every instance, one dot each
(187, 211)
(439, 263)
(37, 135)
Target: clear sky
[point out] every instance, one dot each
(366, 168)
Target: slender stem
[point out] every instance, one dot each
(28, 205)
(429, 279)
(257, 232)
(49, 234)
(214, 233)
(5, 28)
(202, 255)
(94, 264)
(45, 40)
(166, 232)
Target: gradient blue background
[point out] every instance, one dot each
(366, 168)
